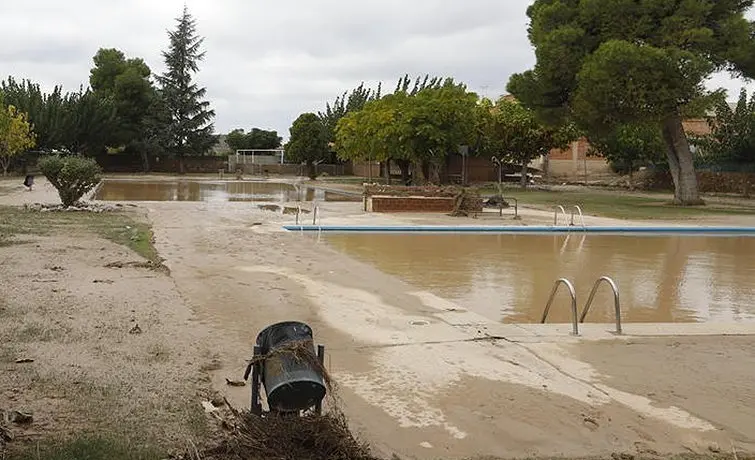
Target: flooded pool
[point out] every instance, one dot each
(194, 190)
(508, 277)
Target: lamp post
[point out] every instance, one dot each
(464, 152)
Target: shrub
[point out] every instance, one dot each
(72, 176)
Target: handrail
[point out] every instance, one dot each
(573, 295)
(616, 300)
(555, 214)
(516, 206)
(581, 216)
(316, 215)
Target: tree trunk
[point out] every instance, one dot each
(525, 170)
(681, 163)
(434, 172)
(311, 172)
(404, 165)
(181, 166)
(419, 177)
(388, 171)
(145, 162)
(5, 163)
(425, 172)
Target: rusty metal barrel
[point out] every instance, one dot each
(292, 378)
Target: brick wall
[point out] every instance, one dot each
(133, 164)
(572, 161)
(419, 204)
(697, 126)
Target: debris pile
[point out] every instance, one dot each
(496, 202)
(96, 208)
(466, 203)
(281, 436)
(433, 191)
(272, 437)
(8, 418)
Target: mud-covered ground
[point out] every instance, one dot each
(417, 375)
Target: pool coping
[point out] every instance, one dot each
(680, 230)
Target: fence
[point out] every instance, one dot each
(294, 169)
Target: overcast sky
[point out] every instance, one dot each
(269, 61)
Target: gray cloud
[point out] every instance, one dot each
(269, 61)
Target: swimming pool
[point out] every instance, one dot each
(508, 277)
(638, 230)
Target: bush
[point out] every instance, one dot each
(72, 176)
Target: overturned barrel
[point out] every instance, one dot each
(291, 372)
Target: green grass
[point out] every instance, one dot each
(622, 204)
(16, 224)
(85, 448)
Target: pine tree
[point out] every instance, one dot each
(191, 128)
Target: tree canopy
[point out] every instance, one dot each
(732, 140)
(16, 135)
(308, 142)
(256, 139)
(348, 102)
(126, 84)
(628, 147)
(421, 126)
(190, 129)
(612, 62)
(514, 132)
(79, 122)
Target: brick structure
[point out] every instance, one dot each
(420, 204)
(423, 199)
(575, 162)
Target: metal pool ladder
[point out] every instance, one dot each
(555, 214)
(573, 294)
(616, 301)
(581, 216)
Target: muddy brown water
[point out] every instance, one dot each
(193, 190)
(509, 277)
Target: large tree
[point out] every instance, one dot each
(256, 139)
(435, 122)
(308, 142)
(515, 133)
(732, 140)
(610, 62)
(420, 124)
(16, 135)
(374, 134)
(348, 102)
(88, 121)
(126, 83)
(191, 128)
